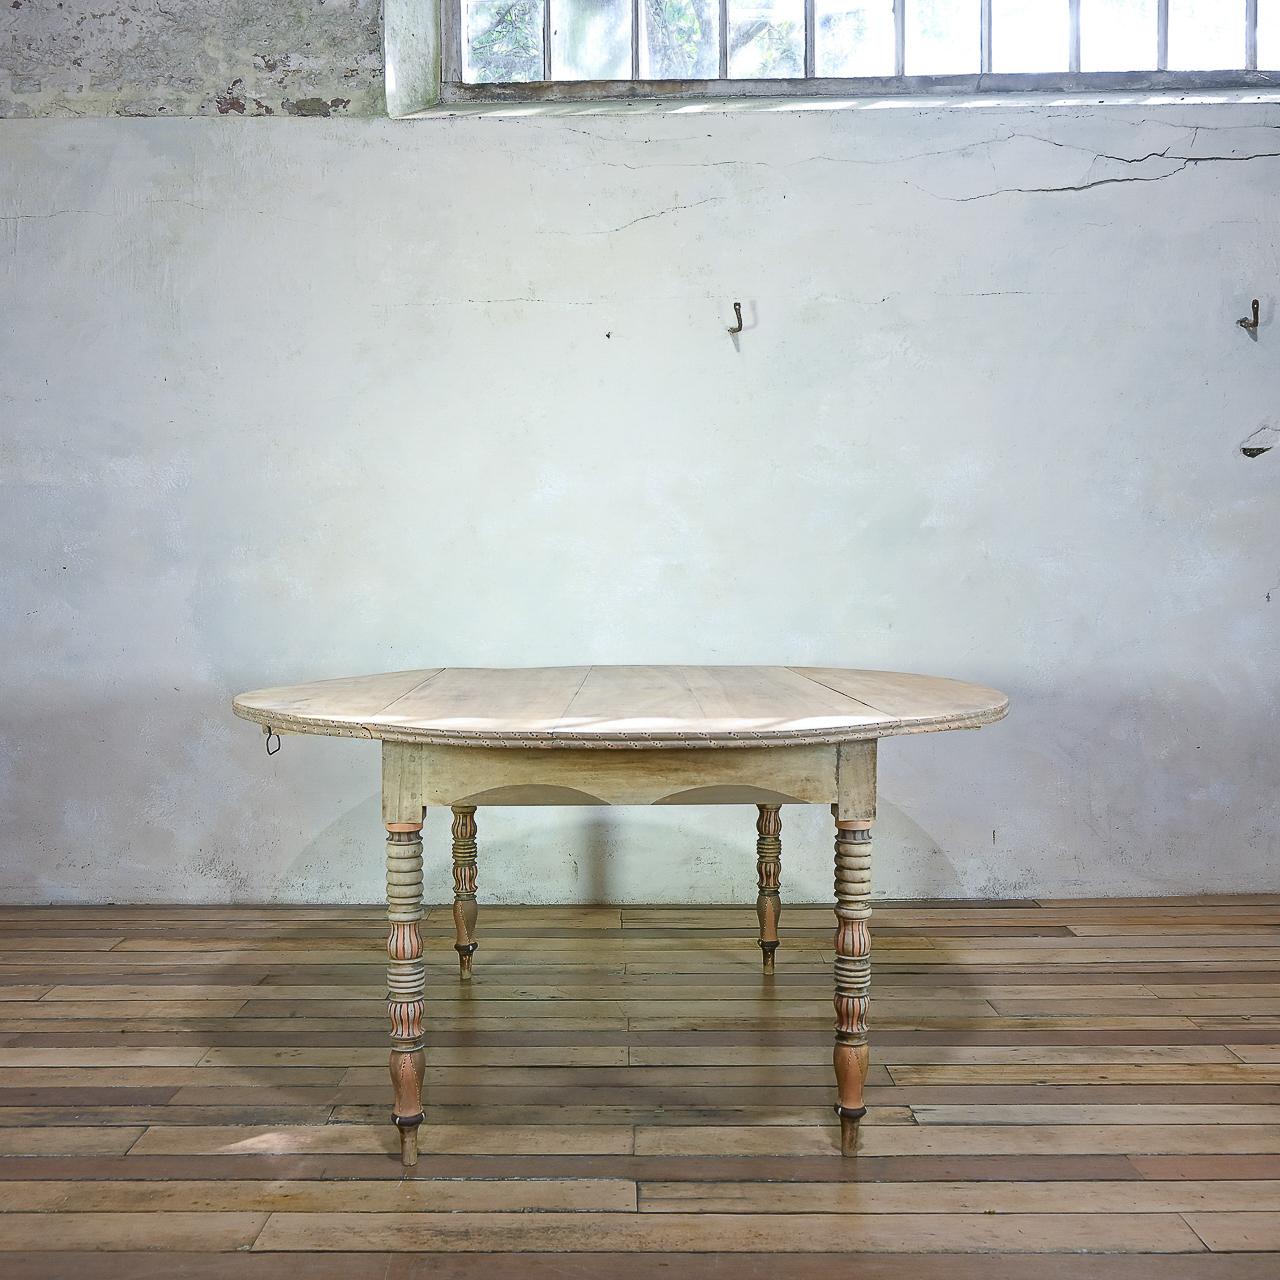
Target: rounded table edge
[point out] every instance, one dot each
(550, 741)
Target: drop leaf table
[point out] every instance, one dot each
(765, 736)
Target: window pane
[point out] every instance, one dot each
(1206, 35)
(681, 39)
(766, 39)
(1118, 35)
(591, 39)
(1030, 35)
(854, 38)
(502, 41)
(1269, 34)
(943, 37)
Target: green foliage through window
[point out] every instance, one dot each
(504, 41)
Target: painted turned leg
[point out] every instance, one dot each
(464, 886)
(852, 974)
(406, 976)
(769, 878)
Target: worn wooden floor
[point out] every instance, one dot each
(203, 1092)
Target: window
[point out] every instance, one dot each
(532, 50)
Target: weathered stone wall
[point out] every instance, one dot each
(190, 57)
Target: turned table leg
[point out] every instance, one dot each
(769, 878)
(406, 976)
(852, 974)
(464, 885)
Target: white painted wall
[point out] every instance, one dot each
(286, 402)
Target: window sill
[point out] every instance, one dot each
(721, 105)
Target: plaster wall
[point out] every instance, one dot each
(77, 58)
(287, 400)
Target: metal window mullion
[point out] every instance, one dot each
(899, 37)
(546, 39)
(810, 40)
(1251, 35)
(1073, 35)
(984, 37)
(1162, 35)
(724, 39)
(635, 39)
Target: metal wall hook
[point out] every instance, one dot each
(737, 314)
(1250, 326)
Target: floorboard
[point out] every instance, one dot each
(1057, 1090)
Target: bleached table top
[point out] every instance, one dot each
(619, 706)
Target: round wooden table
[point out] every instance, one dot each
(471, 736)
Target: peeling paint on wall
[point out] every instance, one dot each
(215, 57)
(1261, 441)
(315, 106)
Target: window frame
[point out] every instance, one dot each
(454, 91)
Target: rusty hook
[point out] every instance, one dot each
(1250, 326)
(737, 315)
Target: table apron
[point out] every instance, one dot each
(418, 775)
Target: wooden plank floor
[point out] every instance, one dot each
(1058, 1089)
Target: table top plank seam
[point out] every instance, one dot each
(564, 715)
(839, 692)
(408, 693)
(688, 684)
